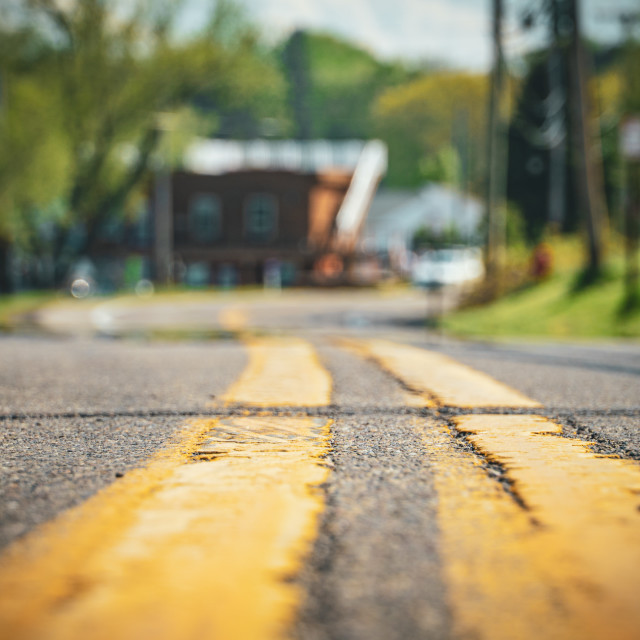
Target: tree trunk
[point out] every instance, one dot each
(6, 285)
(632, 239)
(496, 175)
(586, 149)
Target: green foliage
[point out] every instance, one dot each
(342, 82)
(515, 227)
(345, 82)
(34, 163)
(14, 308)
(443, 166)
(630, 304)
(630, 91)
(86, 103)
(550, 309)
(428, 115)
(553, 307)
(428, 238)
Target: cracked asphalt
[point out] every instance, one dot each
(75, 414)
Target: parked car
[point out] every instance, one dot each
(451, 266)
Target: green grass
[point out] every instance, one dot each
(552, 309)
(14, 307)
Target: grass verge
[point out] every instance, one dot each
(14, 307)
(553, 309)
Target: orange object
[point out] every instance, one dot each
(542, 261)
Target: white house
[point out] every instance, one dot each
(395, 216)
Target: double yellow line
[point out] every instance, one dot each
(198, 544)
(203, 541)
(557, 555)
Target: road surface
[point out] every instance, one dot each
(320, 467)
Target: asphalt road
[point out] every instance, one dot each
(85, 406)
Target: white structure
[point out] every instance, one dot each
(213, 156)
(371, 166)
(448, 267)
(395, 216)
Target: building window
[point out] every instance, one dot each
(198, 274)
(205, 220)
(261, 217)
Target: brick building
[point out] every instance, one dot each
(242, 212)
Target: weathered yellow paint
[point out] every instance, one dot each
(567, 567)
(410, 398)
(448, 382)
(199, 544)
(281, 372)
(233, 318)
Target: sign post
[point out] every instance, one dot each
(630, 148)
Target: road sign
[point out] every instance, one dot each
(630, 138)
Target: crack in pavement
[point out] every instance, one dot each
(331, 410)
(492, 468)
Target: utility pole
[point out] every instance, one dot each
(557, 112)
(586, 154)
(497, 169)
(163, 226)
(163, 207)
(630, 147)
(5, 245)
(460, 142)
(630, 151)
(296, 60)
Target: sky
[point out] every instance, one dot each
(456, 32)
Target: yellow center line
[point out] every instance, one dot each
(410, 398)
(201, 543)
(562, 567)
(450, 382)
(506, 577)
(565, 567)
(281, 372)
(587, 507)
(233, 318)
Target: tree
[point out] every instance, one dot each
(420, 119)
(631, 108)
(333, 85)
(110, 70)
(34, 163)
(587, 159)
(442, 167)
